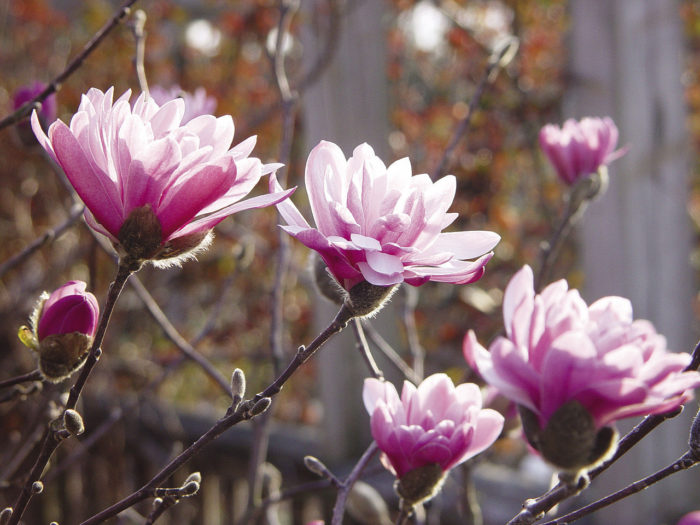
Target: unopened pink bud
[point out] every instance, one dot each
(69, 309)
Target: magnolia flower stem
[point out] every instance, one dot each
(551, 248)
(385, 348)
(52, 438)
(685, 462)
(26, 378)
(242, 413)
(344, 491)
(48, 236)
(365, 352)
(71, 68)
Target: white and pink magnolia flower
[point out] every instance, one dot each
(434, 424)
(150, 183)
(559, 350)
(579, 148)
(382, 224)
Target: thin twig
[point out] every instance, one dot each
(138, 29)
(47, 237)
(365, 352)
(55, 84)
(344, 492)
(385, 348)
(25, 378)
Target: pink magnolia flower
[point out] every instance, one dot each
(436, 423)
(558, 350)
(154, 186)
(69, 309)
(382, 224)
(196, 103)
(692, 518)
(579, 148)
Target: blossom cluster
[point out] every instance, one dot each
(157, 174)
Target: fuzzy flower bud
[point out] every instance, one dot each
(62, 327)
(73, 422)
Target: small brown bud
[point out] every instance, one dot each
(37, 487)
(316, 466)
(73, 422)
(189, 489)
(260, 406)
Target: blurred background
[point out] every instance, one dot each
(399, 75)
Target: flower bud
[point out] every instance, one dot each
(37, 487)
(73, 422)
(189, 489)
(260, 407)
(316, 466)
(237, 387)
(5, 515)
(62, 327)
